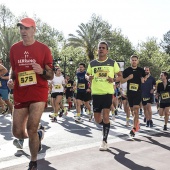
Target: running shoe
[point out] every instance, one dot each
(147, 123)
(113, 117)
(41, 132)
(78, 119)
(53, 115)
(165, 127)
(144, 120)
(4, 111)
(116, 112)
(111, 123)
(90, 115)
(61, 113)
(151, 123)
(18, 143)
(132, 132)
(33, 165)
(140, 112)
(127, 122)
(103, 146)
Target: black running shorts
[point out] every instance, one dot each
(163, 105)
(101, 102)
(134, 99)
(83, 96)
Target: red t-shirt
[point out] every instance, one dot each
(29, 86)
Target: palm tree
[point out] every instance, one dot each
(89, 35)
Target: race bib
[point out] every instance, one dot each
(165, 95)
(102, 74)
(81, 86)
(68, 85)
(133, 87)
(58, 86)
(27, 78)
(146, 99)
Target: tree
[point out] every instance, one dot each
(8, 34)
(151, 55)
(90, 34)
(166, 43)
(48, 35)
(68, 53)
(120, 48)
(7, 38)
(7, 19)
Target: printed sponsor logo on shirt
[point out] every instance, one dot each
(26, 60)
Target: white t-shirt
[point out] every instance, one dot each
(57, 84)
(124, 88)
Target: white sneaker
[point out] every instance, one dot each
(53, 115)
(90, 116)
(18, 143)
(111, 123)
(127, 122)
(113, 117)
(78, 119)
(103, 146)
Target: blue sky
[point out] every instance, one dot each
(138, 19)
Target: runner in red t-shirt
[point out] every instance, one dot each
(31, 63)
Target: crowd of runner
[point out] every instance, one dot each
(100, 88)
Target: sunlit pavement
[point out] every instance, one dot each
(71, 146)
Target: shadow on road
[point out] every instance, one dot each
(121, 158)
(152, 141)
(45, 165)
(76, 128)
(5, 127)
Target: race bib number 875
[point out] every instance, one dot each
(27, 78)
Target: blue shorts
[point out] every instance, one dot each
(4, 94)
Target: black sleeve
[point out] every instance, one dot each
(125, 73)
(158, 88)
(143, 73)
(154, 81)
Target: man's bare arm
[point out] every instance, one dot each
(3, 70)
(49, 75)
(123, 80)
(46, 73)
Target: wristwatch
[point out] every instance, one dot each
(44, 72)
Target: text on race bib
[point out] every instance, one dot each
(165, 95)
(102, 74)
(133, 86)
(146, 99)
(81, 86)
(27, 78)
(69, 85)
(58, 86)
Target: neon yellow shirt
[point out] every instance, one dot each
(101, 70)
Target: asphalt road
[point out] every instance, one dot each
(71, 146)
